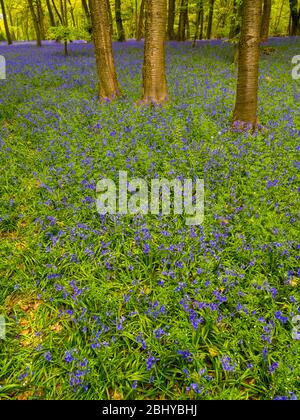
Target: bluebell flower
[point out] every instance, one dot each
(227, 364)
(273, 367)
(186, 355)
(265, 353)
(69, 356)
(150, 362)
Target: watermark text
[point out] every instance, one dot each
(158, 196)
(2, 68)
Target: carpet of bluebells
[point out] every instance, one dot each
(146, 307)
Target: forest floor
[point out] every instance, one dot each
(146, 307)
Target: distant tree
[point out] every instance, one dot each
(171, 19)
(210, 18)
(102, 31)
(72, 8)
(119, 21)
(40, 14)
(199, 22)
(7, 31)
(51, 14)
(245, 112)
(67, 30)
(110, 16)
(35, 10)
(265, 23)
(86, 10)
(183, 20)
(235, 24)
(62, 31)
(154, 73)
(140, 25)
(278, 19)
(295, 17)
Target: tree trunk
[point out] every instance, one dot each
(86, 10)
(199, 22)
(13, 36)
(234, 19)
(40, 17)
(245, 113)
(187, 22)
(295, 16)
(36, 23)
(171, 20)
(154, 73)
(196, 28)
(210, 18)
(119, 22)
(279, 16)
(181, 35)
(110, 17)
(265, 23)
(50, 12)
(64, 12)
(140, 27)
(109, 88)
(57, 13)
(8, 36)
(72, 13)
(135, 17)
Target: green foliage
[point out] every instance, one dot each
(63, 33)
(224, 14)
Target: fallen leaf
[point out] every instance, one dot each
(250, 381)
(25, 395)
(213, 352)
(21, 245)
(115, 395)
(56, 327)
(25, 332)
(294, 282)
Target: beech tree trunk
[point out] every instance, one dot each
(187, 22)
(7, 31)
(36, 23)
(86, 10)
(119, 21)
(110, 16)
(183, 19)
(199, 22)
(210, 18)
(72, 13)
(51, 14)
(265, 23)
(140, 26)
(109, 88)
(245, 113)
(40, 17)
(295, 17)
(171, 20)
(154, 73)
(14, 37)
(234, 26)
(279, 16)
(65, 23)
